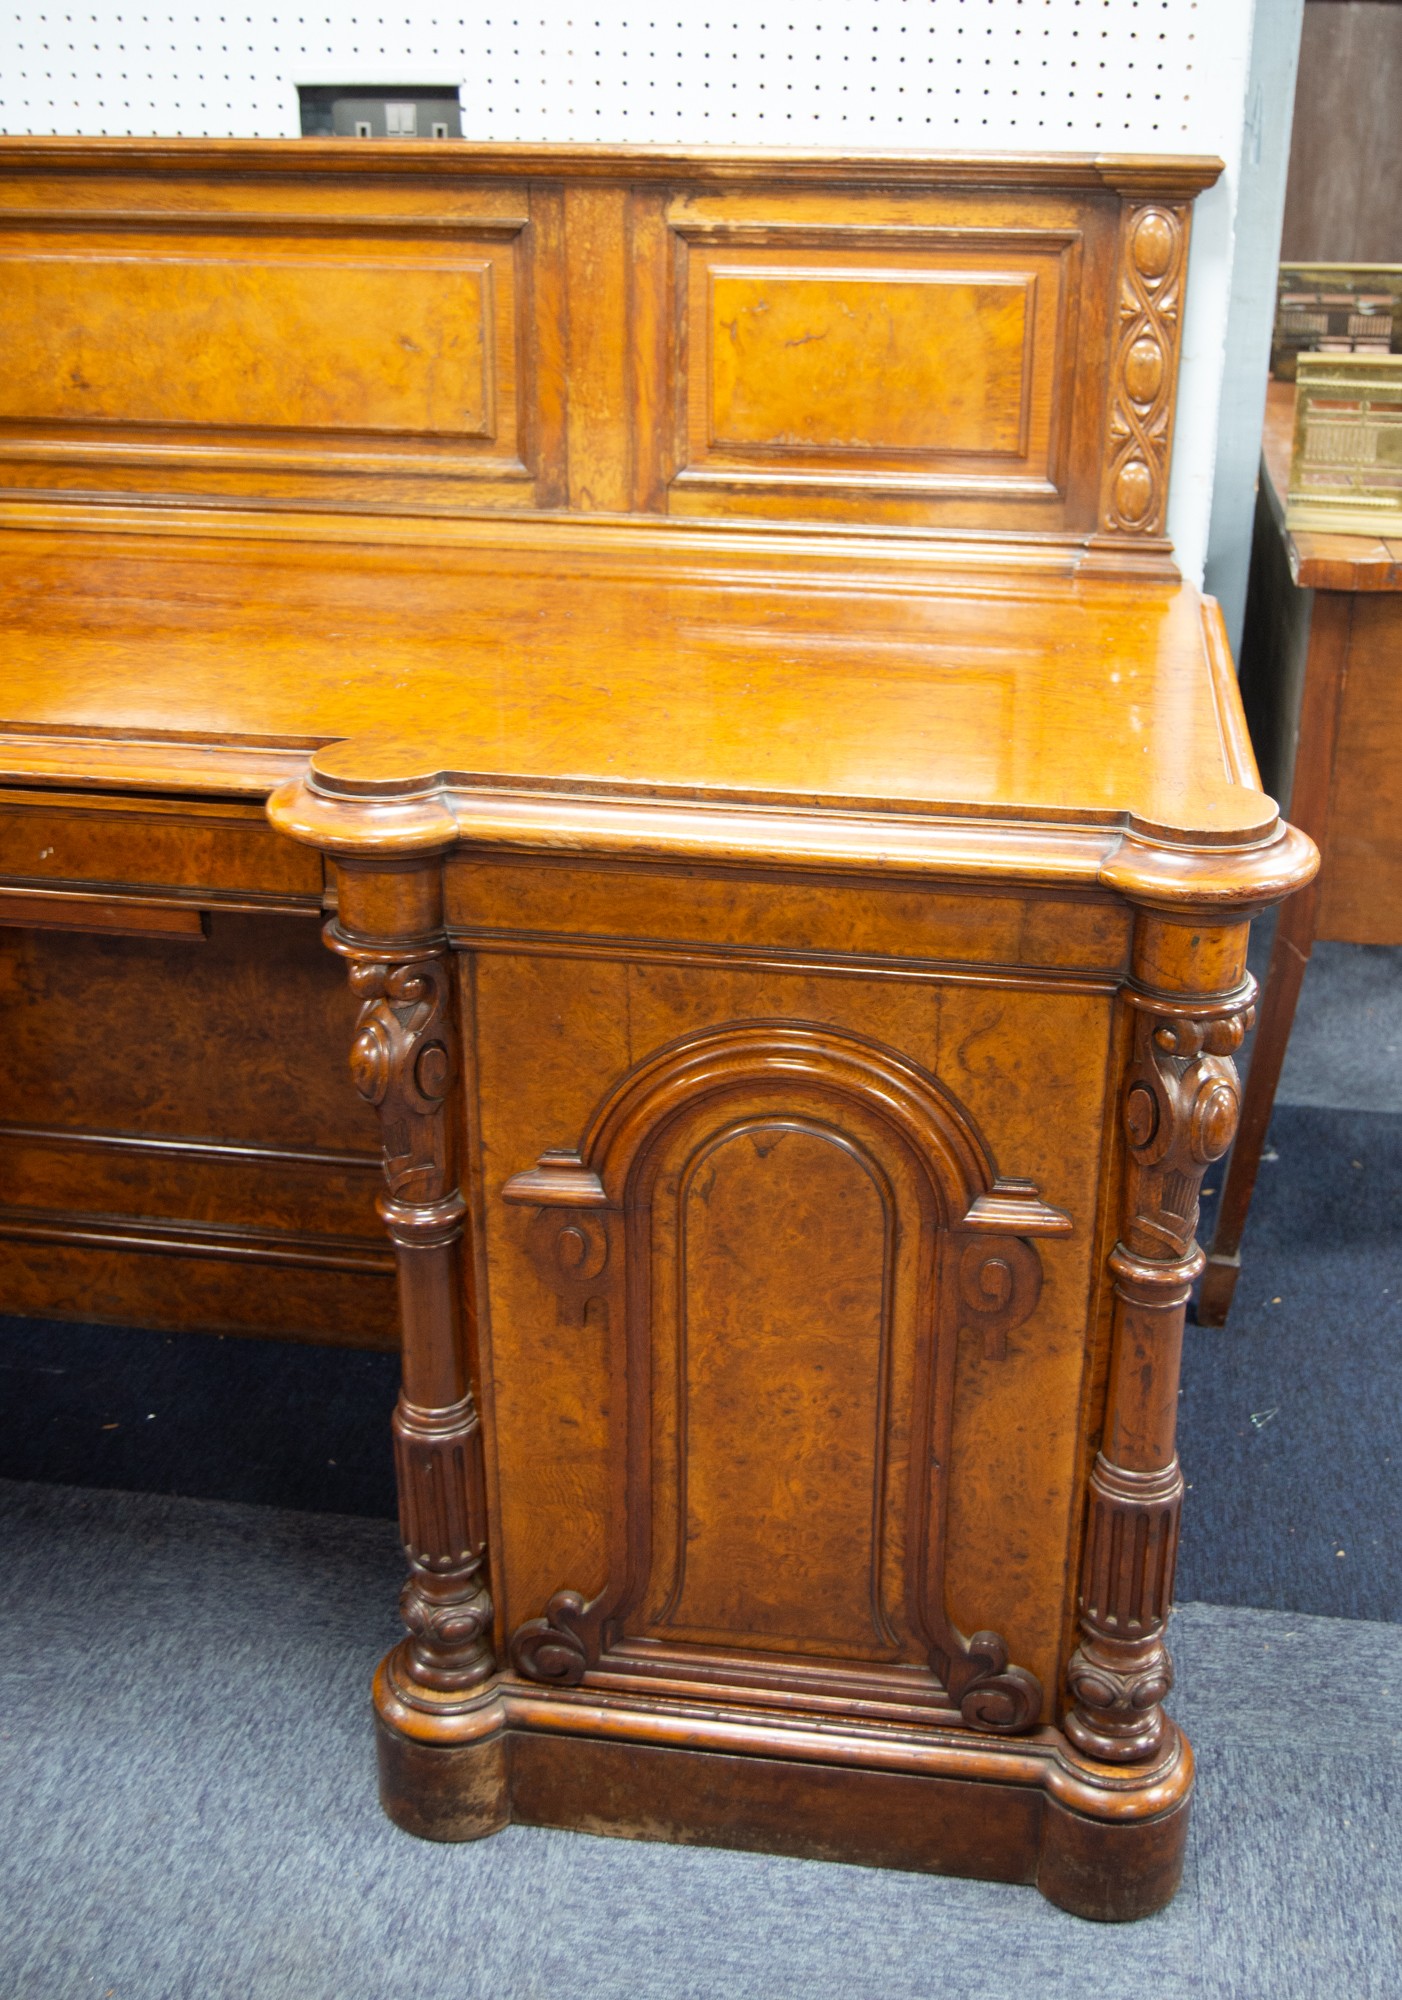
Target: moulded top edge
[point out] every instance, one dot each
(1170, 175)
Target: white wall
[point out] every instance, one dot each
(948, 75)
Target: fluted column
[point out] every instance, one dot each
(405, 1062)
(1178, 1109)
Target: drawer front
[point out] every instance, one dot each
(180, 1142)
(106, 852)
(498, 902)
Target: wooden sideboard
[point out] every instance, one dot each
(792, 837)
(1321, 682)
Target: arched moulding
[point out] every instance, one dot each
(589, 1237)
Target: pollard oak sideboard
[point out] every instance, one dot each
(791, 836)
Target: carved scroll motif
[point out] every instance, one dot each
(403, 1063)
(1179, 1108)
(1144, 369)
(1000, 1282)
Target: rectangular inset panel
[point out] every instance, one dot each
(905, 363)
(373, 361)
(780, 1421)
(875, 360)
(249, 341)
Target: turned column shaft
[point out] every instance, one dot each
(405, 1061)
(1189, 1007)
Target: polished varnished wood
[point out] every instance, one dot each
(433, 329)
(1321, 683)
(261, 402)
(792, 835)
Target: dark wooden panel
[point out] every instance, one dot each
(1341, 202)
(181, 1147)
(124, 1287)
(884, 1819)
(1360, 889)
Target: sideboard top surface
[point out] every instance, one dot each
(656, 669)
(753, 507)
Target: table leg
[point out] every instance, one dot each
(1290, 955)
(1326, 666)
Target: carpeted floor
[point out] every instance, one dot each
(191, 1813)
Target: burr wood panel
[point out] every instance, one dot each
(780, 339)
(209, 355)
(719, 336)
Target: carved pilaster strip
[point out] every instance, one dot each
(404, 1061)
(1144, 369)
(1179, 1110)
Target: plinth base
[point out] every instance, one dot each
(1101, 1841)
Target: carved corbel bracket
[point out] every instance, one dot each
(558, 1648)
(990, 1695)
(999, 1273)
(569, 1234)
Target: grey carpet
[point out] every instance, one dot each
(190, 1812)
(1345, 1047)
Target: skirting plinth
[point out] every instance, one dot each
(1102, 1841)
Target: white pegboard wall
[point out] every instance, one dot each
(1065, 74)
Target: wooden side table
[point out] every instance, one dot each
(1321, 680)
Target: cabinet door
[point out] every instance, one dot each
(785, 1230)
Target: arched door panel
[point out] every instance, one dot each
(789, 1228)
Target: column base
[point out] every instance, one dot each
(1109, 1871)
(444, 1794)
(1102, 1842)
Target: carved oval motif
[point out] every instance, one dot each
(1213, 1125)
(1134, 490)
(1152, 244)
(571, 1248)
(433, 1071)
(370, 1062)
(445, 1625)
(1141, 1115)
(1144, 369)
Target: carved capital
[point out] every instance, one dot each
(1144, 368)
(1180, 1107)
(402, 1062)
